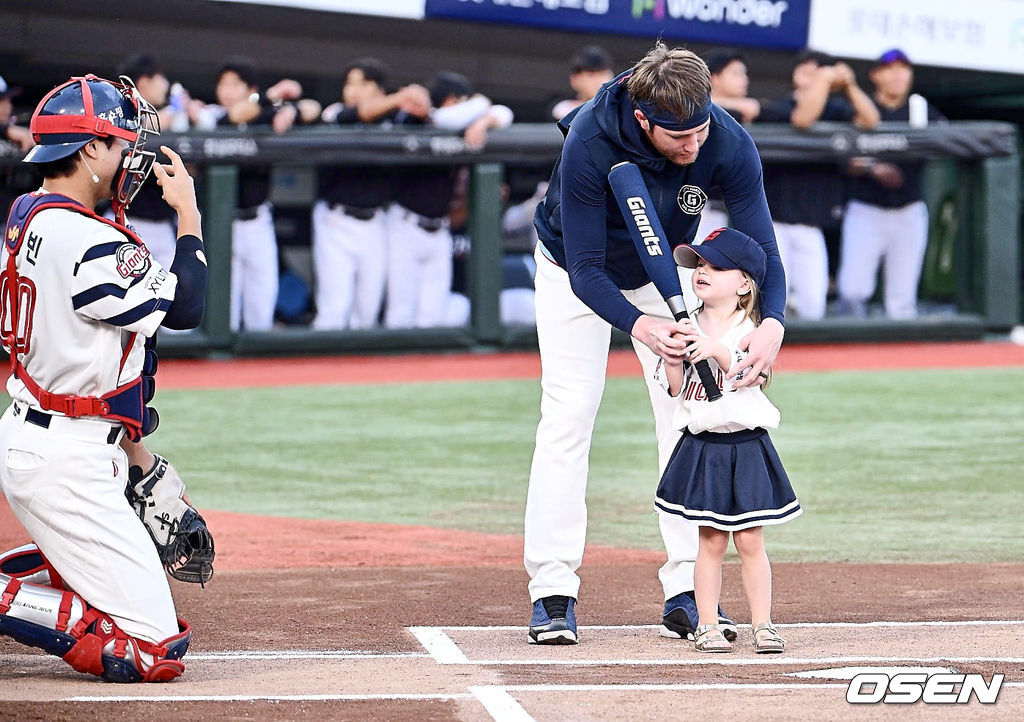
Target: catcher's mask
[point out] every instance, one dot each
(83, 108)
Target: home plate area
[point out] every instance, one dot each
(616, 672)
(619, 672)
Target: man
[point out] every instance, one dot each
(886, 217)
(13, 180)
(420, 242)
(254, 269)
(81, 294)
(350, 218)
(589, 278)
(729, 83)
(805, 198)
(589, 69)
(9, 130)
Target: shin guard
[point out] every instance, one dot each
(61, 623)
(27, 564)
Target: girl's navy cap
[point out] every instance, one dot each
(726, 248)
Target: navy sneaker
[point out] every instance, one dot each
(680, 619)
(554, 621)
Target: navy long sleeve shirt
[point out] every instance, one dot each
(583, 231)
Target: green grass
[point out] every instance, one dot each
(894, 466)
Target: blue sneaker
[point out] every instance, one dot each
(554, 621)
(680, 619)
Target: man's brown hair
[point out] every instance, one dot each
(677, 81)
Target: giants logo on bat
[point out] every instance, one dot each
(132, 260)
(643, 224)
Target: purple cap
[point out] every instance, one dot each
(894, 55)
(726, 248)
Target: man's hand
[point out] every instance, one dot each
(284, 118)
(844, 77)
(21, 136)
(179, 190)
(283, 90)
(762, 346)
(415, 100)
(660, 337)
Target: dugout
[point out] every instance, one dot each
(973, 261)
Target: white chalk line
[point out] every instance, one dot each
(267, 697)
(500, 705)
(790, 625)
(494, 694)
(299, 654)
(439, 645)
(729, 662)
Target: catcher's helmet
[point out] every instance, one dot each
(76, 112)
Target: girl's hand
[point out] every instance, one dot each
(700, 348)
(688, 327)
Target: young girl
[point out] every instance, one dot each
(725, 474)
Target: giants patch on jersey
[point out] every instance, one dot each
(132, 260)
(691, 199)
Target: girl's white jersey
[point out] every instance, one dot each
(738, 409)
(85, 288)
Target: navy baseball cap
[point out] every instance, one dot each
(7, 91)
(895, 55)
(726, 248)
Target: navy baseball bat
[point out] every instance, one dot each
(651, 245)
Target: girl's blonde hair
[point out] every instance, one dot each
(750, 304)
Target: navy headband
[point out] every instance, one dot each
(671, 122)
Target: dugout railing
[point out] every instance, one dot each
(973, 186)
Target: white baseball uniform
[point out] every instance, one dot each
(419, 270)
(873, 235)
(805, 258)
(89, 298)
(254, 272)
(572, 336)
(350, 262)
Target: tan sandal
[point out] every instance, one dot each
(709, 638)
(767, 639)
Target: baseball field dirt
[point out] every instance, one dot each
(346, 620)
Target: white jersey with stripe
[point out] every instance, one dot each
(86, 287)
(738, 409)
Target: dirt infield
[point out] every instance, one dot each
(335, 620)
(466, 367)
(443, 642)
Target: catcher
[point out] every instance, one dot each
(80, 302)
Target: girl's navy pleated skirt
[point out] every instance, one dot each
(728, 481)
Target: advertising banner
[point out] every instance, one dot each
(390, 8)
(754, 23)
(976, 35)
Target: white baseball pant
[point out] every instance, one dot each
(254, 273)
(419, 271)
(160, 237)
(574, 344)
(871, 235)
(65, 484)
(805, 258)
(350, 266)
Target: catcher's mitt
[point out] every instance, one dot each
(182, 539)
